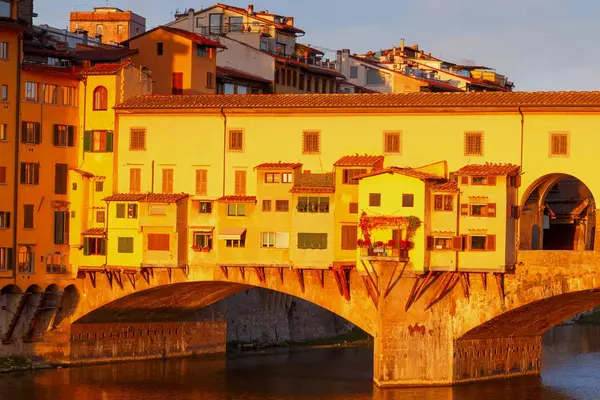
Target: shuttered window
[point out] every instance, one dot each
(473, 143)
(311, 142)
(60, 178)
(349, 237)
(392, 142)
(167, 180)
(374, 199)
(31, 132)
(4, 220)
(210, 79)
(159, 241)
(61, 227)
(100, 216)
(137, 139)
(559, 144)
(353, 208)
(94, 246)
(28, 216)
(266, 205)
(63, 136)
(314, 241)
(2, 174)
(236, 140)
(135, 180)
(30, 173)
(98, 141)
(349, 175)
(240, 183)
(6, 259)
(201, 182)
(408, 200)
(125, 245)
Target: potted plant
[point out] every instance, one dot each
(205, 249)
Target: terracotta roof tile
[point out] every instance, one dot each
(359, 161)
(104, 69)
(414, 173)
(224, 73)
(448, 186)
(278, 165)
(106, 54)
(488, 169)
(83, 173)
(510, 100)
(314, 183)
(237, 199)
(147, 197)
(194, 37)
(257, 16)
(64, 72)
(94, 232)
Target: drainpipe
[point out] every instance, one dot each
(224, 146)
(18, 134)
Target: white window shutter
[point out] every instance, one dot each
(282, 240)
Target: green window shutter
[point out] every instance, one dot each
(87, 141)
(301, 240)
(86, 246)
(103, 246)
(120, 210)
(109, 141)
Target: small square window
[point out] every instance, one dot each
(353, 208)
(205, 207)
(559, 144)
(100, 216)
(473, 143)
(443, 243)
(478, 210)
(236, 140)
(311, 142)
(375, 199)
(408, 200)
(99, 186)
(478, 242)
(266, 205)
(282, 205)
(392, 143)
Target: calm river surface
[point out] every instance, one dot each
(571, 370)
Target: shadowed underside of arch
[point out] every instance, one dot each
(537, 317)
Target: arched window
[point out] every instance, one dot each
(25, 259)
(99, 29)
(100, 98)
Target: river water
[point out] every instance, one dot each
(571, 370)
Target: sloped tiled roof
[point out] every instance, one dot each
(104, 69)
(194, 37)
(69, 73)
(278, 165)
(147, 197)
(567, 207)
(106, 54)
(94, 232)
(363, 100)
(448, 186)
(314, 183)
(358, 161)
(413, 173)
(488, 169)
(237, 199)
(83, 173)
(224, 73)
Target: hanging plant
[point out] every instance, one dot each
(409, 224)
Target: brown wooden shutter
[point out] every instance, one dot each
(458, 243)
(24, 132)
(135, 180)
(2, 174)
(464, 180)
(491, 181)
(490, 243)
(430, 242)
(240, 183)
(201, 183)
(353, 208)
(516, 212)
(397, 237)
(60, 178)
(438, 202)
(38, 132)
(55, 135)
(349, 236)
(167, 180)
(466, 242)
(491, 210)
(464, 209)
(71, 136)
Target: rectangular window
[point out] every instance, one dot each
(443, 202)
(60, 178)
(286, 177)
(159, 241)
(315, 241)
(28, 216)
(272, 177)
(240, 183)
(266, 205)
(50, 94)
(61, 227)
(313, 204)
(482, 243)
(201, 182)
(205, 207)
(167, 180)
(236, 210)
(6, 259)
(125, 245)
(94, 246)
(267, 239)
(203, 240)
(353, 208)
(235, 242)
(282, 205)
(98, 141)
(202, 51)
(311, 143)
(4, 93)
(4, 220)
(69, 96)
(349, 237)
(30, 173)
(135, 180)
(159, 49)
(129, 210)
(408, 200)
(100, 216)
(473, 143)
(392, 142)
(559, 144)
(4, 49)
(443, 243)
(301, 81)
(31, 91)
(63, 136)
(354, 72)
(374, 199)
(209, 80)
(3, 132)
(137, 139)
(2, 175)
(236, 140)
(31, 132)
(350, 174)
(483, 210)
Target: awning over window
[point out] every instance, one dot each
(231, 233)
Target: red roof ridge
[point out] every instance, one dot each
(243, 199)
(489, 169)
(359, 160)
(193, 36)
(278, 165)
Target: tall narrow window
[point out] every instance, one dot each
(63, 136)
(159, 48)
(3, 132)
(559, 144)
(201, 182)
(99, 29)
(236, 140)
(31, 132)
(50, 94)
(28, 216)
(2, 175)
(392, 142)
(311, 142)
(240, 183)
(3, 51)
(210, 80)
(31, 91)
(61, 227)
(30, 173)
(135, 180)
(177, 84)
(60, 178)
(100, 99)
(137, 139)
(4, 93)
(167, 180)
(349, 236)
(473, 143)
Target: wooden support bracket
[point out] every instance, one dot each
(500, 284)
(145, 274)
(449, 280)
(170, 273)
(300, 276)
(371, 279)
(109, 276)
(371, 291)
(342, 279)
(131, 277)
(225, 271)
(92, 275)
(413, 292)
(118, 278)
(484, 280)
(260, 273)
(242, 272)
(394, 281)
(320, 276)
(280, 271)
(464, 282)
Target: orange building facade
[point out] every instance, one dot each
(113, 25)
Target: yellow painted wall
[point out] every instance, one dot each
(344, 195)
(229, 255)
(443, 224)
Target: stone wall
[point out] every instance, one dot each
(265, 317)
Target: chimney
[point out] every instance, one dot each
(402, 45)
(191, 23)
(85, 37)
(250, 9)
(416, 46)
(345, 68)
(338, 61)
(289, 21)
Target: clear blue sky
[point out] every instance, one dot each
(539, 44)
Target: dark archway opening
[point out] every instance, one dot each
(559, 213)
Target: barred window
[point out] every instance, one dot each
(137, 139)
(559, 144)
(473, 143)
(236, 140)
(392, 142)
(311, 142)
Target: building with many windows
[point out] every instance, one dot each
(111, 25)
